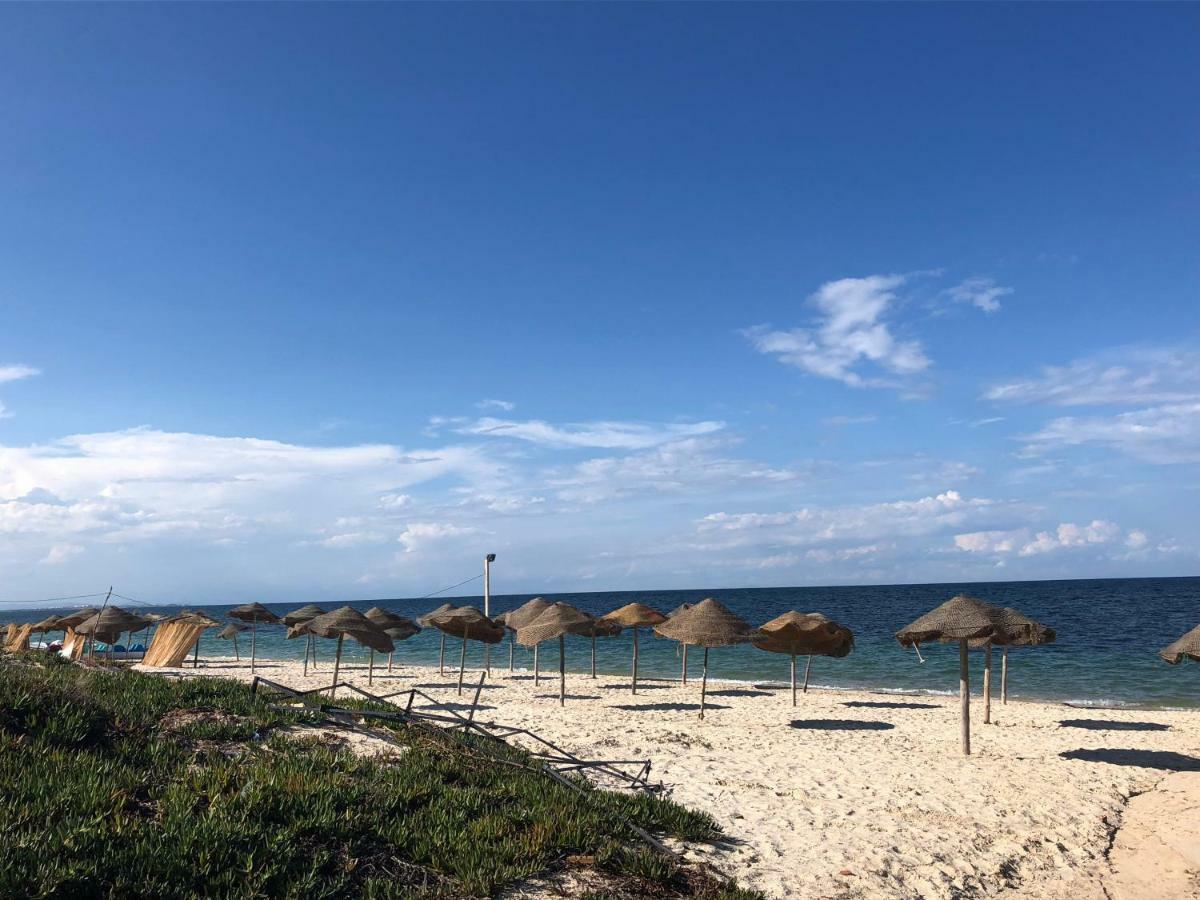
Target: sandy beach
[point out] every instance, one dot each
(854, 794)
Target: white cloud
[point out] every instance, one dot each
(392, 501)
(982, 293)
(1161, 434)
(1136, 540)
(606, 435)
(850, 331)
(1125, 376)
(505, 405)
(17, 372)
(1068, 535)
(418, 534)
(60, 553)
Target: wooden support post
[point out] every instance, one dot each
(511, 644)
(793, 679)
(371, 669)
(337, 663)
(253, 644)
(704, 683)
(462, 665)
(236, 653)
(562, 672)
(442, 656)
(987, 685)
(390, 655)
(537, 669)
(635, 658)
(807, 669)
(196, 653)
(307, 641)
(1004, 677)
(685, 664)
(964, 693)
(593, 654)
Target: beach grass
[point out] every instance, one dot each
(116, 783)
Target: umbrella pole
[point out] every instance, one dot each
(593, 656)
(462, 664)
(635, 656)
(390, 655)
(807, 669)
(196, 654)
(562, 673)
(793, 679)
(511, 643)
(536, 668)
(987, 685)
(371, 669)
(253, 644)
(442, 656)
(1004, 677)
(964, 693)
(312, 643)
(704, 683)
(236, 653)
(307, 641)
(685, 663)
(337, 664)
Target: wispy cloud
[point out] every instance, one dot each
(1066, 536)
(1159, 434)
(982, 293)
(504, 405)
(850, 331)
(1121, 377)
(17, 372)
(604, 435)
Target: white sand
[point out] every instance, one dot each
(867, 795)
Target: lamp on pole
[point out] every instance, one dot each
(487, 606)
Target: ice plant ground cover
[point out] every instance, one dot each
(118, 783)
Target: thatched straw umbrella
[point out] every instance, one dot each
(963, 619)
(682, 607)
(426, 621)
(635, 616)
(109, 624)
(253, 613)
(50, 623)
(468, 623)
(1026, 633)
(77, 618)
(799, 634)
(707, 624)
(1188, 645)
(202, 620)
(557, 621)
(398, 628)
(347, 621)
(231, 632)
(299, 617)
(514, 620)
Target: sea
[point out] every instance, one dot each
(1109, 634)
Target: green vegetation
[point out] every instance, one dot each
(114, 783)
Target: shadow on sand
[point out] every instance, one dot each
(665, 707)
(888, 704)
(467, 683)
(841, 725)
(1146, 759)
(739, 692)
(642, 686)
(453, 705)
(569, 696)
(1102, 725)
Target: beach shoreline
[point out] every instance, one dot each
(849, 793)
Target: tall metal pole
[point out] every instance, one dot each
(487, 607)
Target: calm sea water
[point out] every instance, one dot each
(1109, 632)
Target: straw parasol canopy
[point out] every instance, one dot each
(804, 634)
(231, 632)
(398, 628)
(50, 623)
(516, 619)
(1025, 632)
(557, 621)
(1188, 645)
(468, 623)
(303, 614)
(110, 623)
(78, 617)
(348, 621)
(964, 619)
(708, 624)
(635, 616)
(253, 613)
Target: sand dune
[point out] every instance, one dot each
(866, 795)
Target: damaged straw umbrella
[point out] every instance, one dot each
(398, 628)
(804, 634)
(202, 621)
(557, 621)
(635, 616)
(48, 624)
(468, 623)
(299, 617)
(343, 622)
(1028, 633)
(514, 620)
(253, 613)
(426, 621)
(962, 619)
(708, 624)
(1187, 647)
(109, 624)
(231, 632)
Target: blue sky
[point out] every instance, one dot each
(331, 300)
